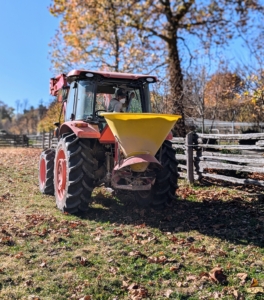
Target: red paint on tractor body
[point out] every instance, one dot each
(107, 136)
(57, 83)
(60, 174)
(81, 129)
(42, 172)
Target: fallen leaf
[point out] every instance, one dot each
(97, 239)
(167, 293)
(197, 250)
(43, 264)
(136, 254)
(29, 283)
(113, 270)
(254, 283)
(157, 260)
(242, 277)
(217, 275)
(137, 292)
(117, 232)
(125, 284)
(173, 239)
(238, 295)
(190, 278)
(86, 298)
(255, 290)
(19, 255)
(83, 261)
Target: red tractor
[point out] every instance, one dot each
(129, 150)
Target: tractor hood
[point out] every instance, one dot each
(140, 133)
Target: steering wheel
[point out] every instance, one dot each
(98, 111)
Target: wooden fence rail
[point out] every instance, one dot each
(11, 140)
(44, 140)
(234, 155)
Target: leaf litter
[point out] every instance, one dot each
(207, 246)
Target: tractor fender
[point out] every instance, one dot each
(81, 129)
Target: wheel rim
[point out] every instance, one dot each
(42, 172)
(61, 174)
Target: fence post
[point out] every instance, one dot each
(50, 138)
(43, 139)
(189, 157)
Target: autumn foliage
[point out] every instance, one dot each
(52, 116)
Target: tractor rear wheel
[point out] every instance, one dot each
(46, 167)
(73, 174)
(166, 183)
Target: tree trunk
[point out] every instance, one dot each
(175, 103)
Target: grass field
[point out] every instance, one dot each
(208, 245)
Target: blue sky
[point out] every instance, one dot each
(26, 29)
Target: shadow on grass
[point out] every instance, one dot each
(236, 221)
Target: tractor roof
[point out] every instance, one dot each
(107, 74)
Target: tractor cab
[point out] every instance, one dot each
(91, 92)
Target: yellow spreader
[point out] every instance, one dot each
(140, 133)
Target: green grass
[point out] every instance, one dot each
(121, 251)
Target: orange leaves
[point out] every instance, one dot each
(19, 255)
(197, 250)
(222, 87)
(254, 282)
(52, 115)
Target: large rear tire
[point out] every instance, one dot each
(46, 168)
(166, 183)
(73, 174)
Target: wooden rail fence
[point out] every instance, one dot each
(12, 140)
(228, 157)
(44, 140)
(234, 155)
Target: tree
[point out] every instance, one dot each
(194, 94)
(223, 95)
(6, 112)
(93, 34)
(25, 123)
(165, 23)
(52, 116)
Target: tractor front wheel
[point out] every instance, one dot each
(46, 167)
(166, 183)
(73, 174)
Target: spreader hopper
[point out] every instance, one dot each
(140, 133)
